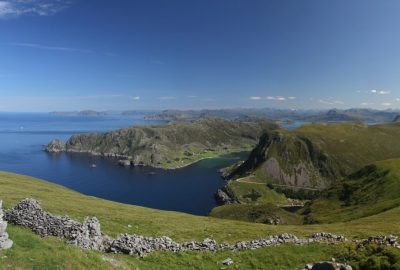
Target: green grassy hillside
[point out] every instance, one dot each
(260, 213)
(317, 154)
(172, 145)
(371, 190)
(30, 251)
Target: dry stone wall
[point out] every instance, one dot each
(28, 213)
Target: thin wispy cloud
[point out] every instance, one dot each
(280, 98)
(167, 98)
(387, 104)
(16, 8)
(384, 92)
(255, 98)
(380, 92)
(51, 48)
(136, 98)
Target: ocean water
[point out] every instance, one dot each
(22, 136)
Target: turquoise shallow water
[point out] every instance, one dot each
(190, 189)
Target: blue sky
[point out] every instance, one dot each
(127, 54)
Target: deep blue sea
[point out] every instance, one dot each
(22, 136)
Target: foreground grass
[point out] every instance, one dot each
(30, 251)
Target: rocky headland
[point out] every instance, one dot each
(173, 145)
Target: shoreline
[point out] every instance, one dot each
(121, 157)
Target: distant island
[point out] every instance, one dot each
(79, 113)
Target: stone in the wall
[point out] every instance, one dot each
(5, 242)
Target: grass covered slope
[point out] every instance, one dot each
(317, 154)
(172, 145)
(372, 190)
(256, 193)
(30, 251)
(260, 213)
(256, 203)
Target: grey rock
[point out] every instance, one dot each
(227, 261)
(5, 242)
(124, 162)
(55, 146)
(308, 266)
(224, 196)
(327, 266)
(323, 266)
(3, 227)
(389, 240)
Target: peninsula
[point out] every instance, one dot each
(169, 146)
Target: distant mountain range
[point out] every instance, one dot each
(314, 116)
(280, 115)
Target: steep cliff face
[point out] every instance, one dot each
(314, 156)
(290, 160)
(172, 145)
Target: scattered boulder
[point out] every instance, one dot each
(55, 146)
(327, 266)
(227, 261)
(124, 162)
(275, 220)
(5, 243)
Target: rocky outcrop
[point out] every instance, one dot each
(55, 146)
(124, 162)
(225, 195)
(5, 242)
